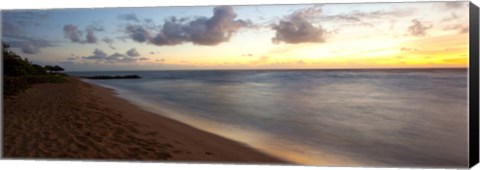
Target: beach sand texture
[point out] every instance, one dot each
(77, 120)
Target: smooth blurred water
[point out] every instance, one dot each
(324, 117)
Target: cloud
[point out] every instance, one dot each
(138, 33)
(296, 28)
(150, 24)
(97, 54)
(172, 33)
(91, 38)
(350, 19)
(109, 41)
(363, 18)
(247, 55)
(458, 27)
(454, 5)
(217, 29)
(72, 58)
(14, 24)
(72, 33)
(418, 29)
(29, 45)
(201, 31)
(10, 29)
(133, 53)
(129, 17)
(408, 49)
(452, 17)
(102, 57)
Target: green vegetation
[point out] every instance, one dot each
(19, 74)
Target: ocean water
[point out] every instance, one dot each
(407, 118)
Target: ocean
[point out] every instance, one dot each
(402, 117)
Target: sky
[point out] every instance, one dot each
(307, 36)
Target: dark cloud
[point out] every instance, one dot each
(296, 28)
(97, 54)
(71, 32)
(201, 30)
(91, 38)
(30, 46)
(138, 33)
(418, 29)
(172, 33)
(133, 53)
(129, 17)
(75, 35)
(100, 56)
(217, 29)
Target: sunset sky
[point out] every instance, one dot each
(361, 35)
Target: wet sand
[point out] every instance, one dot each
(77, 120)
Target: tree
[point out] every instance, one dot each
(13, 64)
(57, 68)
(39, 70)
(49, 68)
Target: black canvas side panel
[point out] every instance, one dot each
(474, 86)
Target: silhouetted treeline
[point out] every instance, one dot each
(19, 74)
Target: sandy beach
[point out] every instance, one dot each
(77, 120)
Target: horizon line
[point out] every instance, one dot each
(286, 69)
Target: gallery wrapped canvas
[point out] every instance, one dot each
(327, 84)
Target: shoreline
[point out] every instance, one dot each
(85, 121)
